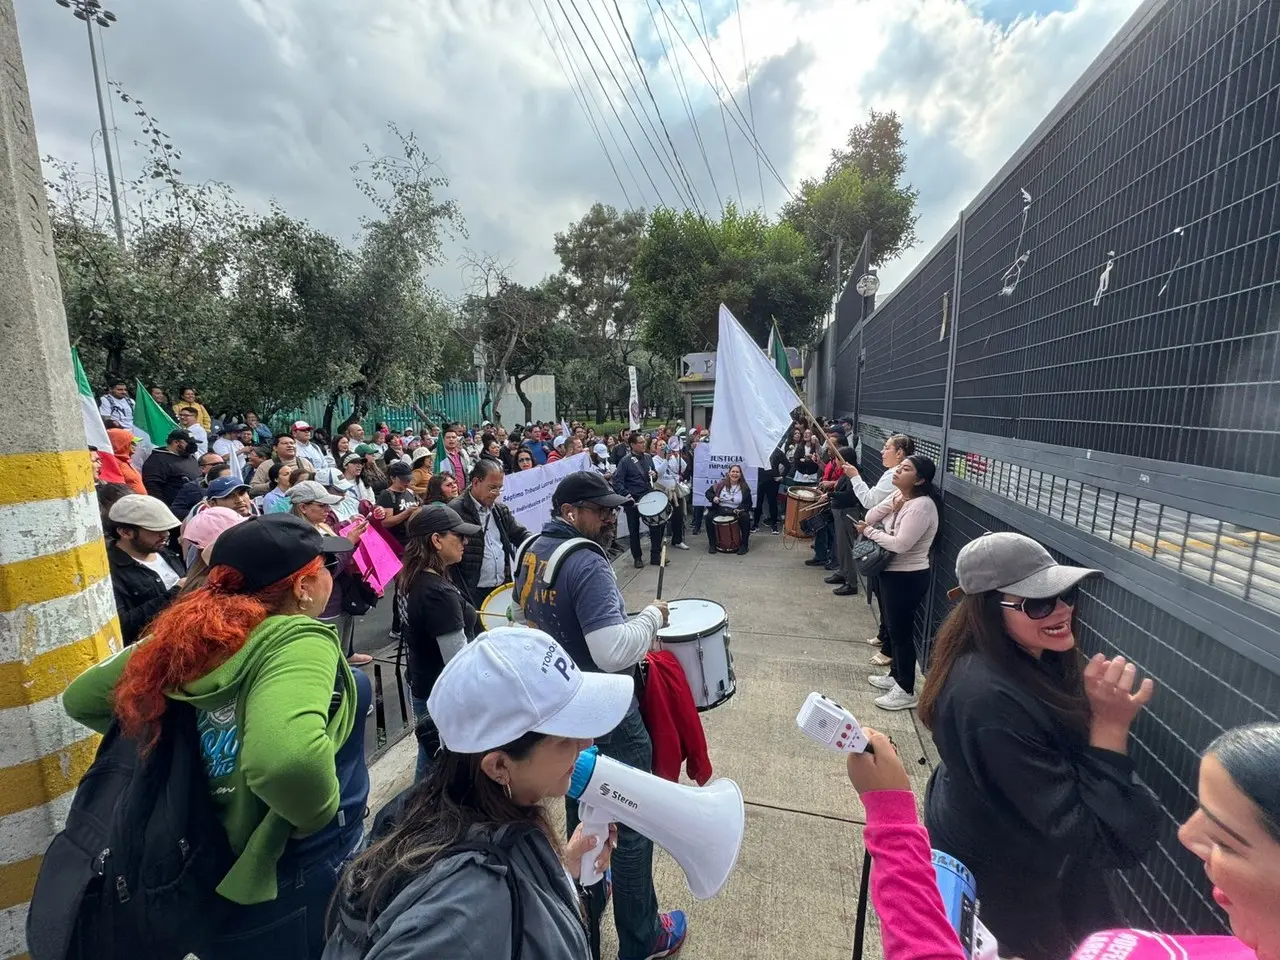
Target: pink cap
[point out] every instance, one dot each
(300, 425)
(204, 527)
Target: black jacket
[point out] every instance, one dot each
(164, 474)
(509, 528)
(140, 593)
(632, 478)
(187, 497)
(1040, 817)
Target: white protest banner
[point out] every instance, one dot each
(528, 493)
(708, 470)
(633, 405)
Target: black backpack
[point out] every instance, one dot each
(134, 872)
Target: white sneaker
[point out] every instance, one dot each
(872, 641)
(682, 546)
(882, 683)
(896, 699)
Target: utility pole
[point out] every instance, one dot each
(91, 12)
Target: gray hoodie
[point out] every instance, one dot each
(461, 910)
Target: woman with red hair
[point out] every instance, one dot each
(281, 721)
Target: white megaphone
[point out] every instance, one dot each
(700, 826)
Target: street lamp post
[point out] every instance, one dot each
(91, 12)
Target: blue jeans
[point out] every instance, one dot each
(635, 905)
(290, 927)
(425, 761)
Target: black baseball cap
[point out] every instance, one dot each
(400, 469)
(587, 486)
(267, 549)
(439, 518)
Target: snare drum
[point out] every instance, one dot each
(799, 499)
(728, 534)
(498, 608)
(654, 508)
(697, 634)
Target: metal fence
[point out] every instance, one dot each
(1092, 356)
(456, 400)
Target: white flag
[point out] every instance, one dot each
(634, 406)
(753, 402)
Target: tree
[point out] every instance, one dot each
(391, 323)
(687, 266)
(593, 288)
(861, 191)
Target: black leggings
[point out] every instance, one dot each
(767, 488)
(903, 591)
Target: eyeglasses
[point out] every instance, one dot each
(605, 512)
(332, 563)
(1040, 607)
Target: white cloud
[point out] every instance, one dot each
(277, 97)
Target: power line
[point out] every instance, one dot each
(649, 90)
(752, 139)
(621, 60)
(588, 92)
(682, 88)
(613, 108)
(581, 103)
(746, 72)
(733, 164)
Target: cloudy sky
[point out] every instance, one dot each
(276, 98)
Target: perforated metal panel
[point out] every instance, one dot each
(905, 372)
(1144, 317)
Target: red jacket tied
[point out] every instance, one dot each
(672, 718)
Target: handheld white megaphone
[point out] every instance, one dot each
(701, 827)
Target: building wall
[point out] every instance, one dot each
(1092, 357)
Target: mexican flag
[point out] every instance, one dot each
(778, 354)
(151, 424)
(95, 433)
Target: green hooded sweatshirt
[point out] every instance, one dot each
(266, 736)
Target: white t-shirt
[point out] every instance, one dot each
(200, 436)
(168, 576)
(731, 497)
(229, 450)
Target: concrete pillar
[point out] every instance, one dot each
(57, 615)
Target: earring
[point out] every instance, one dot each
(506, 788)
(305, 602)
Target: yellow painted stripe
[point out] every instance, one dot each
(25, 477)
(55, 575)
(38, 781)
(17, 880)
(49, 673)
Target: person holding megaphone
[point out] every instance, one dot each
(472, 868)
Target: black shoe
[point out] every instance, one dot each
(657, 562)
(742, 551)
(832, 566)
(815, 563)
(845, 591)
(774, 528)
(834, 578)
(639, 562)
(712, 550)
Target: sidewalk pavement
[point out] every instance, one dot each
(795, 889)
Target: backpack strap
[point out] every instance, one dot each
(558, 556)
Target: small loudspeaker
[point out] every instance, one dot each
(825, 721)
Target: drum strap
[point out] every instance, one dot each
(558, 556)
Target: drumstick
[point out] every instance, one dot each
(662, 568)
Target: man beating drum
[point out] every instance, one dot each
(566, 586)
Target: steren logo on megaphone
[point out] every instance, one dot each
(612, 794)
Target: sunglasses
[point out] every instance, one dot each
(1039, 608)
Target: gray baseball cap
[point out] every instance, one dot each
(311, 491)
(1016, 565)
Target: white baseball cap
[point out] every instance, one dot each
(517, 680)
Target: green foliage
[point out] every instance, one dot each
(686, 267)
(257, 311)
(861, 191)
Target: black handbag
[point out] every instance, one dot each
(869, 558)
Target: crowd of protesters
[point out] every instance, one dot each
(230, 551)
